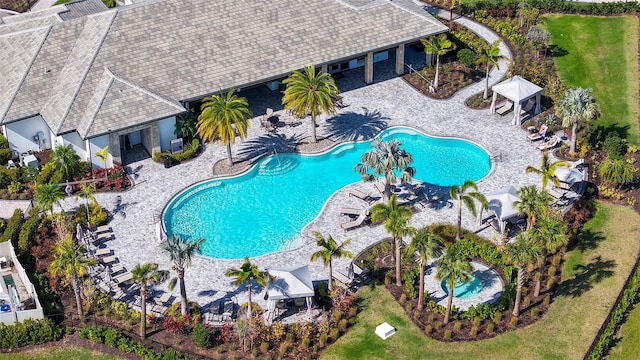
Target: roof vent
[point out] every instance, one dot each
(46, 70)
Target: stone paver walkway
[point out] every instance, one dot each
(387, 102)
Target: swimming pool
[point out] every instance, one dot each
(263, 210)
(463, 290)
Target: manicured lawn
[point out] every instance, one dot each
(53, 353)
(629, 346)
(601, 54)
(591, 282)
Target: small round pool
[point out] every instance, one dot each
(263, 210)
(464, 290)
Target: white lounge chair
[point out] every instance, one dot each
(355, 223)
(549, 144)
(103, 252)
(103, 229)
(504, 108)
(116, 268)
(351, 211)
(162, 300)
(124, 277)
(540, 134)
(362, 196)
(342, 279)
(109, 259)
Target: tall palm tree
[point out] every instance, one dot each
(69, 262)
(66, 159)
(489, 55)
(103, 155)
(577, 106)
(310, 92)
(550, 234)
(86, 192)
(48, 195)
(147, 275)
(532, 204)
(548, 170)
(396, 218)
(463, 195)
(455, 268)
(187, 125)
(386, 159)
(223, 116)
(437, 45)
(330, 249)
(521, 253)
(247, 274)
(180, 252)
(425, 245)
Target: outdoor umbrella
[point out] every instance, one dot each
(569, 175)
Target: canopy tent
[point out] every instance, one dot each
(289, 283)
(501, 204)
(569, 175)
(517, 90)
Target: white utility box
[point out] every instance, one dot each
(385, 330)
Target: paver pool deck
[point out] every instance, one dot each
(387, 102)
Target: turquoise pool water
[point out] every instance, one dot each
(463, 290)
(264, 210)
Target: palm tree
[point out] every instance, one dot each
(223, 116)
(386, 159)
(86, 192)
(532, 204)
(66, 159)
(550, 234)
(187, 125)
(438, 45)
(395, 218)
(577, 106)
(463, 195)
(69, 261)
(147, 275)
(548, 170)
(425, 245)
(330, 249)
(103, 155)
(180, 252)
(248, 273)
(521, 253)
(309, 92)
(455, 268)
(48, 195)
(489, 55)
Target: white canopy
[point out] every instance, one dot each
(569, 175)
(290, 283)
(518, 90)
(501, 204)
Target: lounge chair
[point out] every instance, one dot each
(380, 187)
(351, 211)
(227, 314)
(109, 259)
(103, 252)
(415, 193)
(527, 107)
(555, 194)
(124, 277)
(540, 134)
(362, 196)
(103, 229)
(504, 108)
(342, 279)
(355, 223)
(116, 268)
(550, 144)
(164, 299)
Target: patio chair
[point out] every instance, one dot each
(362, 196)
(164, 299)
(299, 303)
(227, 314)
(355, 223)
(415, 193)
(555, 194)
(103, 251)
(103, 229)
(341, 279)
(505, 108)
(267, 115)
(527, 107)
(215, 312)
(109, 259)
(379, 186)
(351, 212)
(549, 144)
(124, 277)
(116, 268)
(538, 135)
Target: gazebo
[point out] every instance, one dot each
(289, 283)
(518, 90)
(501, 204)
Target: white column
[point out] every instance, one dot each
(368, 68)
(400, 59)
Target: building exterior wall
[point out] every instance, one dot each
(96, 144)
(20, 135)
(167, 127)
(8, 318)
(76, 142)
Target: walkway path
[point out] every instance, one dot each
(390, 101)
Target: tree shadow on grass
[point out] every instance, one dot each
(557, 51)
(586, 276)
(352, 126)
(589, 240)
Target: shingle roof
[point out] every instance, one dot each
(182, 50)
(82, 8)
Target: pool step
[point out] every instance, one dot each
(276, 165)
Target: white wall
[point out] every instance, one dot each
(96, 144)
(76, 142)
(20, 134)
(135, 138)
(167, 127)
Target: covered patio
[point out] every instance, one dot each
(291, 288)
(501, 205)
(518, 90)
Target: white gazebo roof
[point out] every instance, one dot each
(569, 175)
(517, 89)
(293, 282)
(501, 203)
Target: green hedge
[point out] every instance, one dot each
(557, 6)
(5, 156)
(187, 154)
(4, 143)
(28, 332)
(602, 343)
(13, 228)
(46, 173)
(115, 339)
(28, 233)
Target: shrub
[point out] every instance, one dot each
(613, 146)
(457, 325)
(264, 347)
(403, 299)
(490, 327)
(187, 154)
(28, 234)
(202, 336)
(550, 283)
(322, 339)
(447, 334)
(439, 325)
(526, 302)
(4, 143)
(172, 326)
(409, 307)
(535, 311)
(514, 321)
(46, 173)
(305, 342)
(97, 215)
(497, 316)
(481, 311)
(467, 57)
(428, 330)
(617, 171)
(410, 278)
(28, 332)
(5, 156)
(12, 231)
(343, 324)
(284, 347)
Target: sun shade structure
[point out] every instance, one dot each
(518, 90)
(569, 175)
(289, 283)
(501, 204)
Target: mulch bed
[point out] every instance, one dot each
(449, 82)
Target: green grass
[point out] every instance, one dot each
(592, 278)
(53, 353)
(629, 336)
(602, 55)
